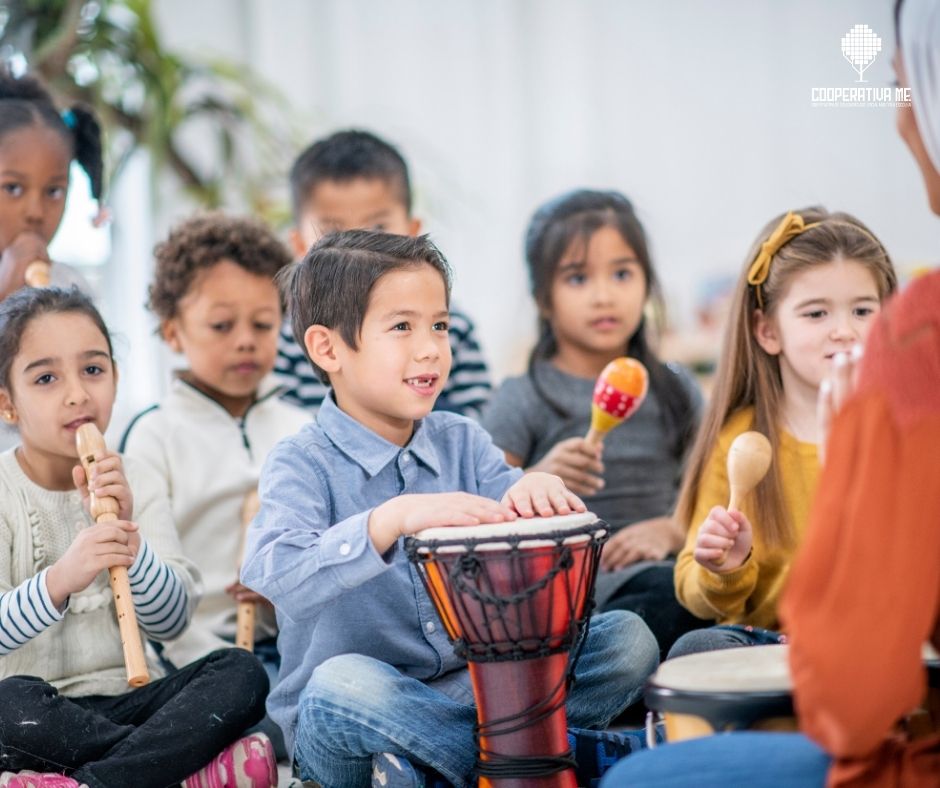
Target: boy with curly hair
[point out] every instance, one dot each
(217, 303)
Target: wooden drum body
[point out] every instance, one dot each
(715, 691)
(514, 598)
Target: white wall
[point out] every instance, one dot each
(700, 112)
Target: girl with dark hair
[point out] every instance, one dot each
(66, 712)
(37, 145)
(592, 279)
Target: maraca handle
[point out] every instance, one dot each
(595, 437)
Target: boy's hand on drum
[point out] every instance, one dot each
(94, 549)
(108, 481)
(724, 540)
(408, 514)
(542, 495)
(835, 391)
(26, 248)
(647, 540)
(577, 462)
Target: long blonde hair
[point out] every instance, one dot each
(748, 376)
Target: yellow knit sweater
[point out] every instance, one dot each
(748, 594)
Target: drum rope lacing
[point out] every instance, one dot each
(467, 576)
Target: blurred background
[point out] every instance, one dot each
(700, 112)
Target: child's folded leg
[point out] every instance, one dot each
(356, 706)
(44, 731)
(619, 655)
(181, 722)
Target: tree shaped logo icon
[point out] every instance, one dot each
(860, 46)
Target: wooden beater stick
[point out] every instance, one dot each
(245, 621)
(38, 273)
(748, 462)
(88, 440)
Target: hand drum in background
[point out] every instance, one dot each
(619, 391)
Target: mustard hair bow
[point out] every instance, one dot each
(790, 226)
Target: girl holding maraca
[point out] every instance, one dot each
(592, 277)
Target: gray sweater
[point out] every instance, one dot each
(642, 471)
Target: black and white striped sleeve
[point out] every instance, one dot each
(25, 612)
(468, 388)
(160, 597)
(301, 385)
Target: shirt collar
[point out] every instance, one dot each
(369, 450)
(269, 386)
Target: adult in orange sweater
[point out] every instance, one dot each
(856, 643)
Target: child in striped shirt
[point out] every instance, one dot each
(354, 180)
(65, 706)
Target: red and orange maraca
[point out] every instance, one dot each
(620, 390)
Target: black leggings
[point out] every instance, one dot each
(151, 737)
(652, 596)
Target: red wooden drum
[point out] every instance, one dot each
(515, 600)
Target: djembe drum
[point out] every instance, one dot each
(515, 600)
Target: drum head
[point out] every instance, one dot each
(526, 532)
(731, 688)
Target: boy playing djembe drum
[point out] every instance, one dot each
(366, 666)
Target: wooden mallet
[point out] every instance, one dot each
(749, 458)
(88, 440)
(38, 273)
(620, 390)
(245, 619)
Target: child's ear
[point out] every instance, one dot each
(170, 331)
(7, 409)
(297, 245)
(414, 227)
(766, 333)
(321, 345)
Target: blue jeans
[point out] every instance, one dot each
(721, 637)
(355, 706)
(757, 760)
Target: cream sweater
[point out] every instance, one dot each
(208, 461)
(78, 650)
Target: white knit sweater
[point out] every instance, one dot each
(209, 461)
(80, 652)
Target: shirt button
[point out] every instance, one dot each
(344, 548)
(430, 627)
(405, 457)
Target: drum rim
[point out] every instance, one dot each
(424, 549)
(460, 533)
(721, 710)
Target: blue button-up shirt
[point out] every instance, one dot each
(308, 549)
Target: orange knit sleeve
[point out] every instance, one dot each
(864, 593)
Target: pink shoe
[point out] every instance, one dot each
(37, 780)
(248, 763)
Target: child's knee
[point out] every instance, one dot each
(631, 648)
(348, 683)
(244, 676)
(25, 692)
